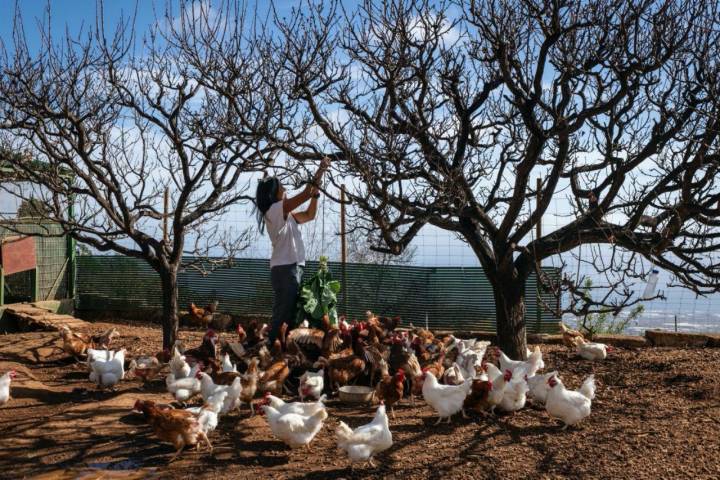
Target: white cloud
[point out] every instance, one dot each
(200, 13)
(422, 29)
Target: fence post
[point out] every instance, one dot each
(71, 254)
(538, 234)
(343, 250)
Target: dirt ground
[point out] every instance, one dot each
(656, 415)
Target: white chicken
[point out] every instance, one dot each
(364, 442)
(311, 384)
(102, 355)
(179, 368)
(447, 400)
(208, 413)
(531, 365)
(539, 388)
(227, 365)
(472, 345)
(590, 350)
(515, 392)
(569, 406)
(454, 375)
(208, 388)
(293, 429)
(183, 389)
(499, 382)
(107, 373)
(5, 381)
(300, 408)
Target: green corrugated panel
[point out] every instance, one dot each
(116, 283)
(51, 253)
(449, 297)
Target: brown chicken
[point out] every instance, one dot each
(223, 378)
(375, 330)
(376, 357)
(343, 370)
(249, 384)
(273, 378)
(436, 368)
(420, 347)
(164, 356)
(103, 340)
(477, 399)
(242, 334)
(570, 336)
(390, 389)
(389, 324)
(236, 348)
(178, 427)
(205, 352)
(74, 343)
(256, 333)
(200, 316)
(145, 368)
(332, 345)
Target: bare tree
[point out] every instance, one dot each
(360, 250)
(447, 114)
(120, 121)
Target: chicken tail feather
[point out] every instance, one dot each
(343, 432)
(588, 387)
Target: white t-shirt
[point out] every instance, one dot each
(287, 242)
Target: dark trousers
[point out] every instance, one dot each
(285, 280)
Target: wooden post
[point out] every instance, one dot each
(2, 286)
(343, 250)
(538, 235)
(166, 208)
(71, 252)
(36, 284)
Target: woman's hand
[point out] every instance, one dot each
(324, 165)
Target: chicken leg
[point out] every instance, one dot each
(177, 452)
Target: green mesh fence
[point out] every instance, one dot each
(52, 260)
(451, 298)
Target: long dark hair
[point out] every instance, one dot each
(265, 196)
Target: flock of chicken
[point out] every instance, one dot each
(452, 375)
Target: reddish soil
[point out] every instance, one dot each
(656, 415)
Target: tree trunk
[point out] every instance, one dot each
(510, 314)
(170, 306)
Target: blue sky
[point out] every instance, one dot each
(74, 14)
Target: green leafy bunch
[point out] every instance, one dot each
(318, 297)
